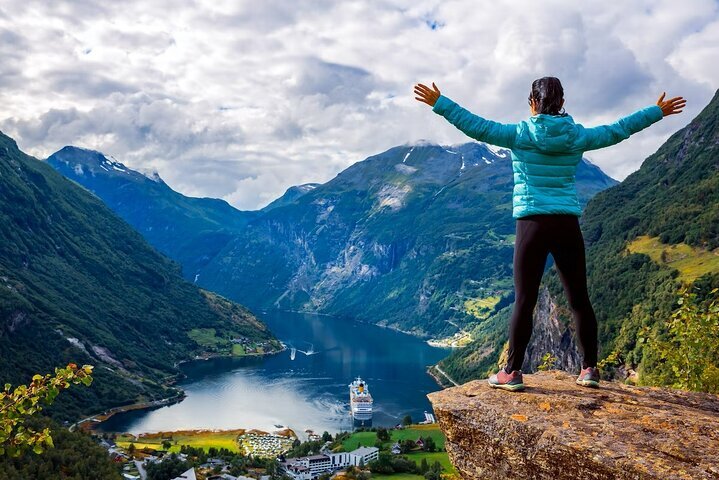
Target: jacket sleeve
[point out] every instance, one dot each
(499, 134)
(607, 135)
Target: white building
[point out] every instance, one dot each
(309, 468)
(188, 475)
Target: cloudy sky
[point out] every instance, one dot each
(241, 99)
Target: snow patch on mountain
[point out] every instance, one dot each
(151, 175)
(407, 155)
(406, 169)
(307, 187)
(498, 151)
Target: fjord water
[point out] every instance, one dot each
(307, 390)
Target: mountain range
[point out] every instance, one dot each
(78, 284)
(417, 238)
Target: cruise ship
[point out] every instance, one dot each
(360, 402)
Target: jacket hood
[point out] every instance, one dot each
(551, 133)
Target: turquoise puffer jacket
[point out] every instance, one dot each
(546, 150)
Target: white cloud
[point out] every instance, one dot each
(240, 100)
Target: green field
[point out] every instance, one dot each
(204, 439)
(481, 308)
(206, 337)
(368, 439)
(690, 262)
(398, 476)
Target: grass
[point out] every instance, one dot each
(206, 337)
(398, 476)
(481, 307)
(690, 262)
(204, 439)
(368, 439)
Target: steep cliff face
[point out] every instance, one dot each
(556, 430)
(552, 334)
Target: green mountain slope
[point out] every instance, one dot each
(79, 284)
(188, 230)
(646, 237)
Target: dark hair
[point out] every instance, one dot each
(547, 93)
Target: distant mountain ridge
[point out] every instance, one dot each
(290, 195)
(418, 238)
(189, 230)
(77, 283)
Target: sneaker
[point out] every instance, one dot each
(589, 377)
(507, 381)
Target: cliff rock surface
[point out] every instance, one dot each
(557, 430)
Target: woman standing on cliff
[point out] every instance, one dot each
(546, 150)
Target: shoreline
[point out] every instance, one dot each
(286, 431)
(89, 423)
(209, 356)
(437, 375)
(431, 341)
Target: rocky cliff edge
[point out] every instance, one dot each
(557, 430)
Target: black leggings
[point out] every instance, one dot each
(538, 236)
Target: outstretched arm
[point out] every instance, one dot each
(502, 135)
(606, 135)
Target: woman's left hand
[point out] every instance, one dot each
(426, 94)
(671, 107)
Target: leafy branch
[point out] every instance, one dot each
(16, 405)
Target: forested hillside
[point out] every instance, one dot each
(78, 284)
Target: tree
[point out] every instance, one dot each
(168, 468)
(75, 455)
(326, 437)
(435, 472)
(407, 420)
(423, 467)
(686, 355)
(131, 449)
(429, 444)
(406, 445)
(166, 444)
(383, 464)
(26, 400)
(383, 435)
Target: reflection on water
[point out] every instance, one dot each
(305, 386)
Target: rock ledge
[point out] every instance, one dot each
(557, 430)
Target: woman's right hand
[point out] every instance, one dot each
(672, 106)
(426, 94)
